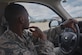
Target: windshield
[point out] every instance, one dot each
(39, 15)
(73, 7)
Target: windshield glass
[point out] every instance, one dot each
(39, 15)
(73, 7)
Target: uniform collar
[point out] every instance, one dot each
(13, 36)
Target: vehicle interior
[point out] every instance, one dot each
(52, 13)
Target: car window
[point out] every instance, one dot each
(73, 7)
(39, 15)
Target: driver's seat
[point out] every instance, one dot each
(3, 26)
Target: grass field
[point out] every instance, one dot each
(42, 25)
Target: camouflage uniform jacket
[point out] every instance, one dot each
(12, 44)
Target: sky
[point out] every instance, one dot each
(73, 7)
(39, 12)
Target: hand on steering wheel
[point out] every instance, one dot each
(68, 41)
(69, 24)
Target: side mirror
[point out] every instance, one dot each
(53, 23)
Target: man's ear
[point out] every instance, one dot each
(21, 19)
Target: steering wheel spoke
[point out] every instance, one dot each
(68, 41)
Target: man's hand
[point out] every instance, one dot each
(70, 24)
(36, 32)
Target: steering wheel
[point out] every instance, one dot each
(69, 40)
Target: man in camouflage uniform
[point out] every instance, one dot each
(16, 41)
